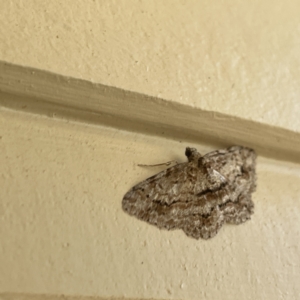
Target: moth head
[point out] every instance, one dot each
(192, 153)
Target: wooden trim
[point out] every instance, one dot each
(54, 95)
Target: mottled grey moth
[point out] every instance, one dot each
(200, 195)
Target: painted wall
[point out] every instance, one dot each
(235, 57)
(62, 229)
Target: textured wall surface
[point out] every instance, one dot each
(63, 230)
(235, 57)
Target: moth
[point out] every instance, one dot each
(200, 195)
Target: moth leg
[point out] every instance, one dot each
(162, 164)
(240, 211)
(204, 227)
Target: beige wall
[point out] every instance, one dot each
(207, 54)
(228, 69)
(63, 230)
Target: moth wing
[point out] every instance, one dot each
(171, 185)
